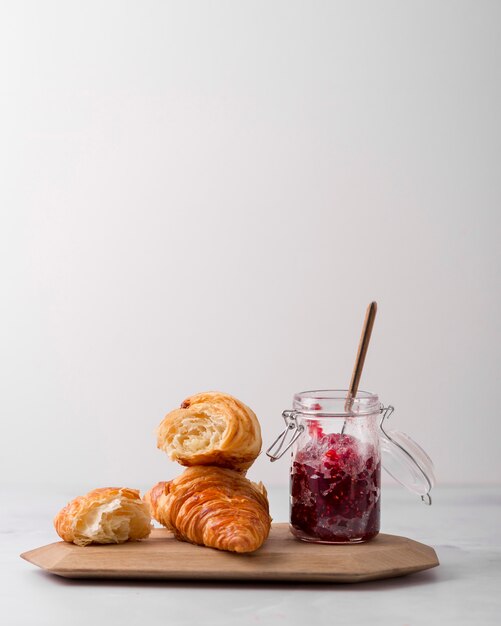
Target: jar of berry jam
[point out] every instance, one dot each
(335, 478)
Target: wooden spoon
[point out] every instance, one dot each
(370, 316)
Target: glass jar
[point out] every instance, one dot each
(335, 476)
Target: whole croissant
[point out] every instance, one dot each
(214, 507)
(107, 515)
(211, 428)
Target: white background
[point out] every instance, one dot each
(206, 195)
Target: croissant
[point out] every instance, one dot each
(108, 515)
(211, 428)
(214, 507)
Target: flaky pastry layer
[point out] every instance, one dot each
(214, 507)
(106, 515)
(211, 428)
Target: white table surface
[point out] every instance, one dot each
(463, 525)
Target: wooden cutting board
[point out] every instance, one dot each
(281, 558)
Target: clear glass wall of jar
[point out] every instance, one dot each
(335, 478)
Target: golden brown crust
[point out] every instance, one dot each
(211, 428)
(104, 515)
(214, 507)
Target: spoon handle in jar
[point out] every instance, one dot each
(370, 316)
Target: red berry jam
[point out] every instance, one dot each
(335, 489)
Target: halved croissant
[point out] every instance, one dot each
(211, 428)
(107, 515)
(214, 507)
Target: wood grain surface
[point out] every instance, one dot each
(281, 558)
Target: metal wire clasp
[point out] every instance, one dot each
(290, 425)
(385, 411)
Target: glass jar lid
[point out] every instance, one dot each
(405, 460)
